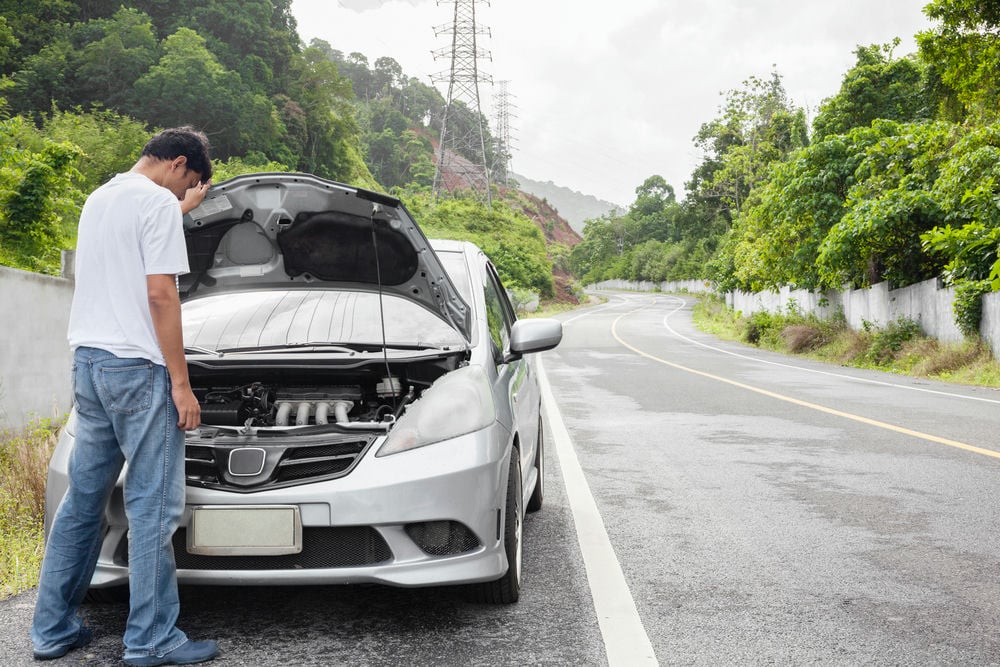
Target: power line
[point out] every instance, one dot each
(462, 162)
(504, 147)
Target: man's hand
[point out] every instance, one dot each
(194, 196)
(165, 309)
(188, 410)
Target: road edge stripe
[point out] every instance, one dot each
(625, 638)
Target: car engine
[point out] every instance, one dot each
(263, 404)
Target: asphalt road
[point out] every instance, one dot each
(757, 509)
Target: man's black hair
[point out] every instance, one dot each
(186, 141)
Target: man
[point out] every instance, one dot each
(133, 401)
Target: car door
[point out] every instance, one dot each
(515, 380)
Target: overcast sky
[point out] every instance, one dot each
(610, 93)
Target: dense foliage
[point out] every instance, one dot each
(84, 84)
(896, 179)
(514, 243)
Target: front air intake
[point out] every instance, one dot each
(442, 538)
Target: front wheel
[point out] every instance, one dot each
(507, 589)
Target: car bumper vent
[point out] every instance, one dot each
(322, 547)
(442, 538)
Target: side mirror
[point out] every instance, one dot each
(538, 335)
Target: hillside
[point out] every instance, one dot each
(575, 207)
(555, 228)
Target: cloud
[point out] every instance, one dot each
(366, 5)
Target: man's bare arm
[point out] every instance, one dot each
(194, 196)
(165, 309)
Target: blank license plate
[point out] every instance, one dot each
(271, 530)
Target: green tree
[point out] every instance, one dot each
(331, 147)
(776, 242)
(968, 189)
(35, 25)
(878, 86)
(105, 68)
(758, 127)
(889, 206)
(9, 44)
(966, 53)
(109, 143)
(36, 194)
(188, 84)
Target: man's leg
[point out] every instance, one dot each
(74, 540)
(154, 503)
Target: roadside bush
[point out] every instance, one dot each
(935, 358)
(968, 306)
(24, 460)
(762, 327)
(886, 343)
(803, 337)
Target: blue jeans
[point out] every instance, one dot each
(125, 413)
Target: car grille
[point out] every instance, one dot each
(287, 463)
(322, 547)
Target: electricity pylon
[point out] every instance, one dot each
(462, 162)
(503, 146)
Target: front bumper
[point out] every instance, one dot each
(367, 513)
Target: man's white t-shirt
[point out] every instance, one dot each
(130, 227)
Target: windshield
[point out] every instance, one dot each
(268, 318)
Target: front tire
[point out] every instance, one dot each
(507, 589)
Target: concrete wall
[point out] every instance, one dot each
(989, 328)
(927, 303)
(34, 356)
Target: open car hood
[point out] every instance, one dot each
(282, 230)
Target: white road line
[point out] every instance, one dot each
(625, 638)
(666, 324)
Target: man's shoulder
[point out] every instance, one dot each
(138, 183)
(135, 188)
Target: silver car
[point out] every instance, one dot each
(368, 411)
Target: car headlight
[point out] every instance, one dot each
(458, 403)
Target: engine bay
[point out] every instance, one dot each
(372, 395)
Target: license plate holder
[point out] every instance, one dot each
(245, 530)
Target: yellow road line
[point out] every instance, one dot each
(806, 404)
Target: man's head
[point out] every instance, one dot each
(182, 142)
(186, 154)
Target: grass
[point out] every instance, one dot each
(898, 347)
(24, 459)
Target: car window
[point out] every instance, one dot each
(287, 317)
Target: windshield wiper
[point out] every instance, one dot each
(346, 348)
(300, 347)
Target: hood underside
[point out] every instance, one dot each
(283, 230)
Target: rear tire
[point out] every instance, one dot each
(507, 589)
(538, 495)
